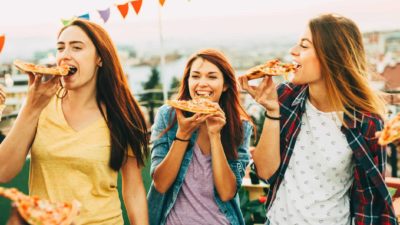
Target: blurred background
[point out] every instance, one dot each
(155, 37)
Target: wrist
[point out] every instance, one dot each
(182, 135)
(272, 115)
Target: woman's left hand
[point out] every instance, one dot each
(217, 121)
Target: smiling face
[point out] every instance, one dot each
(206, 79)
(74, 48)
(305, 56)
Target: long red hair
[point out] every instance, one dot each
(232, 133)
(123, 114)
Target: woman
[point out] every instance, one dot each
(198, 161)
(82, 134)
(318, 148)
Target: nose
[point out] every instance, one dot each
(65, 54)
(294, 51)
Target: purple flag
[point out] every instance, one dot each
(104, 14)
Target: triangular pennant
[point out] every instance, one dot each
(84, 16)
(137, 4)
(66, 22)
(162, 2)
(104, 14)
(123, 9)
(2, 40)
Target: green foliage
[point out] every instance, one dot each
(175, 83)
(253, 210)
(153, 83)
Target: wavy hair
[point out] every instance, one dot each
(123, 114)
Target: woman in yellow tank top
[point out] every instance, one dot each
(81, 130)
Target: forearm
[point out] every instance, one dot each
(267, 152)
(136, 205)
(16, 145)
(224, 178)
(166, 172)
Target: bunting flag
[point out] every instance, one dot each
(162, 2)
(2, 40)
(66, 22)
(123, 9)
(84, 16)
(104, 14)
(137, 4)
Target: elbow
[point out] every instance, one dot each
(267, 173)
(4, 178)
(162, 189)
(226, 195)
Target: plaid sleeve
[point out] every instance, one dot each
(371, 201)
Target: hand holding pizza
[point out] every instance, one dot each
(187, 125)
(265, 94)
(40, 92)
(216, 121)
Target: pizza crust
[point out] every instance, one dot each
(38, 211)
(391, 131)
(26, 67)
(270, 68)
(195, 106)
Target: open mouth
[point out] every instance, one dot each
(297, 66)
(204, 94)
(72, 70)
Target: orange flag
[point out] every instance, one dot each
(123, 9)
(162, 2)
(137, 4)
(2, 40)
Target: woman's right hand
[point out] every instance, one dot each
(265, 93)
(40, 92)
(187, 125)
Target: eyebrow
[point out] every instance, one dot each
(306, 39)
(212, 72)
(71, 42)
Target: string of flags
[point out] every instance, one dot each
(105, 13)
(2, 40)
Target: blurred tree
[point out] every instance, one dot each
(152, 96)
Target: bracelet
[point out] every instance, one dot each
(271, 117)
(176, 138)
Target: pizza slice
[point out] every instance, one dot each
(27, 67)
(38, 211)
(391, 131)
(270, 68)
(196, 105)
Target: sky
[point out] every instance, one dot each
(31, 25)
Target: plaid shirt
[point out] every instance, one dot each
(370, 202)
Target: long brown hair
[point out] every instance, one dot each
(123, 114)
(339, 47)
(232, 133)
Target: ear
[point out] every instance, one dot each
(99, 62)
(225, 88)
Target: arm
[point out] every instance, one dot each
(166, 171)
(16, 145)
(266, 155)
(224, 178)
(134, 193)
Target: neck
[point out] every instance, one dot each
(81, 99)
(319, 97)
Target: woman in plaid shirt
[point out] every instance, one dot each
(327, 167)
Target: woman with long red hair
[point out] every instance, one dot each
(198, 160)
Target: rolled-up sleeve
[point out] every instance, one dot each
(239, 165)
(159, 140)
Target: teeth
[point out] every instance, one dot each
(203, 93)
(296, 65)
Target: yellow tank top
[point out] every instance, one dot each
(68, 164)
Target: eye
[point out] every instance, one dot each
(303, 46)
(212, 77)
(194, 76)
(76, 48)
(60, 49)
